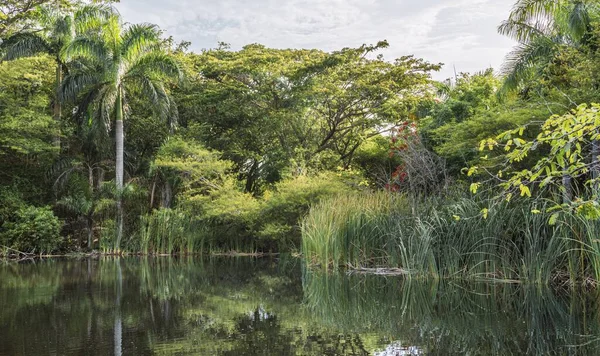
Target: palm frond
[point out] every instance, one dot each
(111, 33)
(138, 40)
(106, 101)
(77, 205)
(157, 63)
(47, 15)
(578, 20)
(523, 31)
(60, 166)
(76, 84)
(535, 10)
(25, 45)
(105, 205)
(87, 48)
(62, 30)
(156, 95)
(524, 58)
(62, 171)
(173, 117)
(96, 128)
(91, 17)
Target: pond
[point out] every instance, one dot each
(245, 306)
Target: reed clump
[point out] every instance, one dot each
(168, 231)
(451, 238)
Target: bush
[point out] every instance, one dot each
(228, 219)
(225, 218)
(285, 206)
(33, 229)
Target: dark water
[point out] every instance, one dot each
(242, 306)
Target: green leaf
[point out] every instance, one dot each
(553, 219)
(484, 213)
(525, 190)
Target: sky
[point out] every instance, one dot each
(459, 33)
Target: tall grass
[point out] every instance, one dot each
(451, 240)
(167, 231)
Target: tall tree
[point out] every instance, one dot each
(54, 29)
(270, 110)
(116, 62)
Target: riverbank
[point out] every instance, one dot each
(15, 255)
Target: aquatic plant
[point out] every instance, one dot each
(166, 231)
(451, 238)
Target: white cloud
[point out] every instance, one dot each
(460, 33)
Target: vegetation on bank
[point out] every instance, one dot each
(529, 148)
(113, 138)
(448, 238)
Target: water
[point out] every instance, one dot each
(243, 306)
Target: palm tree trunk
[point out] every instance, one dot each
(152, 193)
(90, 232)
(119, 167)
(57, 105)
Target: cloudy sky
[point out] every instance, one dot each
(458, 33)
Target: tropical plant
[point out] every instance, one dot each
(54, 30)
(541, 27)
(119, 61)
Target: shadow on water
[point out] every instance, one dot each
(244, 306)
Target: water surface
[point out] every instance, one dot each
(244, 306)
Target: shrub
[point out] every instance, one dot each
(225, 218)
(33, 229)
(228, 219)
(285, 206)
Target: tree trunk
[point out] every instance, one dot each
(167, 194)
(251, 179)
(91, 178)
(90, 232)
(57, 105)
(119, 168)
(152, 193)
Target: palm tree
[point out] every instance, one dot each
(56, 28)
(115, 62)
(540, 27)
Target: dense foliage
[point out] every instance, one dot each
(138, 145)
(114, 138)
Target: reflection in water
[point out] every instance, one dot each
(443, 317)
(167, 306)
(118, 328)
